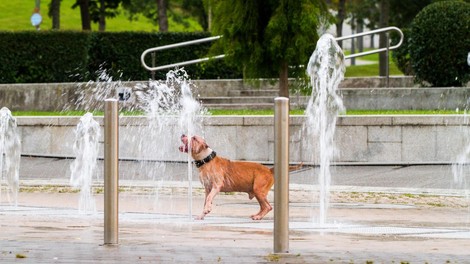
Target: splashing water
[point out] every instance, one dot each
(460, 168)
(10, 154)
(170, 110)
(326, 70)
(167, 104)
(83, 168)
(90, 96)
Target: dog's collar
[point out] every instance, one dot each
(199, 163)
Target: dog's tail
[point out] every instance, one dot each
(291, 168)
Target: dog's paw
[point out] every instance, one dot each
(256, 217)
(200, 217)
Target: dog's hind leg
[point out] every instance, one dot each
(261, 188)
(265, 207)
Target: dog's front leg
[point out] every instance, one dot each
(207, 191)
(208, 201)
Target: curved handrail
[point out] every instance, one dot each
(371, 33)
(176, 45)
(197, 41)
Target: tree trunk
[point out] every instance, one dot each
(353, 41)
(102, 18)
(284, 80)
(85, 14)
(340, 19)
(360, 40)
(162, 17)
(55, 13)
(384, 15)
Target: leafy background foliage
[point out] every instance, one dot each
(440, 42)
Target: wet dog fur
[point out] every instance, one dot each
(223, 175)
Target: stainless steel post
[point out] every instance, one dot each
(111, 172)
(281, 175)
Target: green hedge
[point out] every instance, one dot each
(440, 42)
(69, 56)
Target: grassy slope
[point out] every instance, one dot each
(15, 15)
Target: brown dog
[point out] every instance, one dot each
(222, 175)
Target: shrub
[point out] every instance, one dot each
(401, 56)
(69, 56)
(440, 43)
(43, 56)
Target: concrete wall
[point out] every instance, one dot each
(372, 95)
(359, 139)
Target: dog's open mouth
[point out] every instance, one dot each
(184, 148)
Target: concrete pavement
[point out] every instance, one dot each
(374, 217)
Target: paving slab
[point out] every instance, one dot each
(368, 221)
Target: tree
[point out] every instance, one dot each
(198, 9)
(264, 37)
(101, 9)
(155, 10)
(440, 42)
(383, 39)
(84, 13)
(97, 11)
(402, 12)
(162, 17)
(340, 17)
(54, 13)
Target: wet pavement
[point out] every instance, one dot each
(391, 178)
(377, 214)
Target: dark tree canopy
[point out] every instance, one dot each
(265, 37)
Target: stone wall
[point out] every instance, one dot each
(359, 139)
(358, 93)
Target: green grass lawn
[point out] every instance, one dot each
(15, 16)
(370, 69)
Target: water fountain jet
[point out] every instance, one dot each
(83, 168)
(326, 70)
(167, 104)
(10, 154)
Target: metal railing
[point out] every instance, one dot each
(384, 49)
(176, 45)
(380, 30)
(154, 68)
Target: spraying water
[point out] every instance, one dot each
(170, 110)
(326, 70)
(90, 96)
(166, 103)
(83, 168)
(461, 168)
(10, 154)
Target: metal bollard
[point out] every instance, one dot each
(281, 175)
(111, 172)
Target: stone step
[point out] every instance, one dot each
(257, 106)
(254, 92)
(250, 103)
(249, 100)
